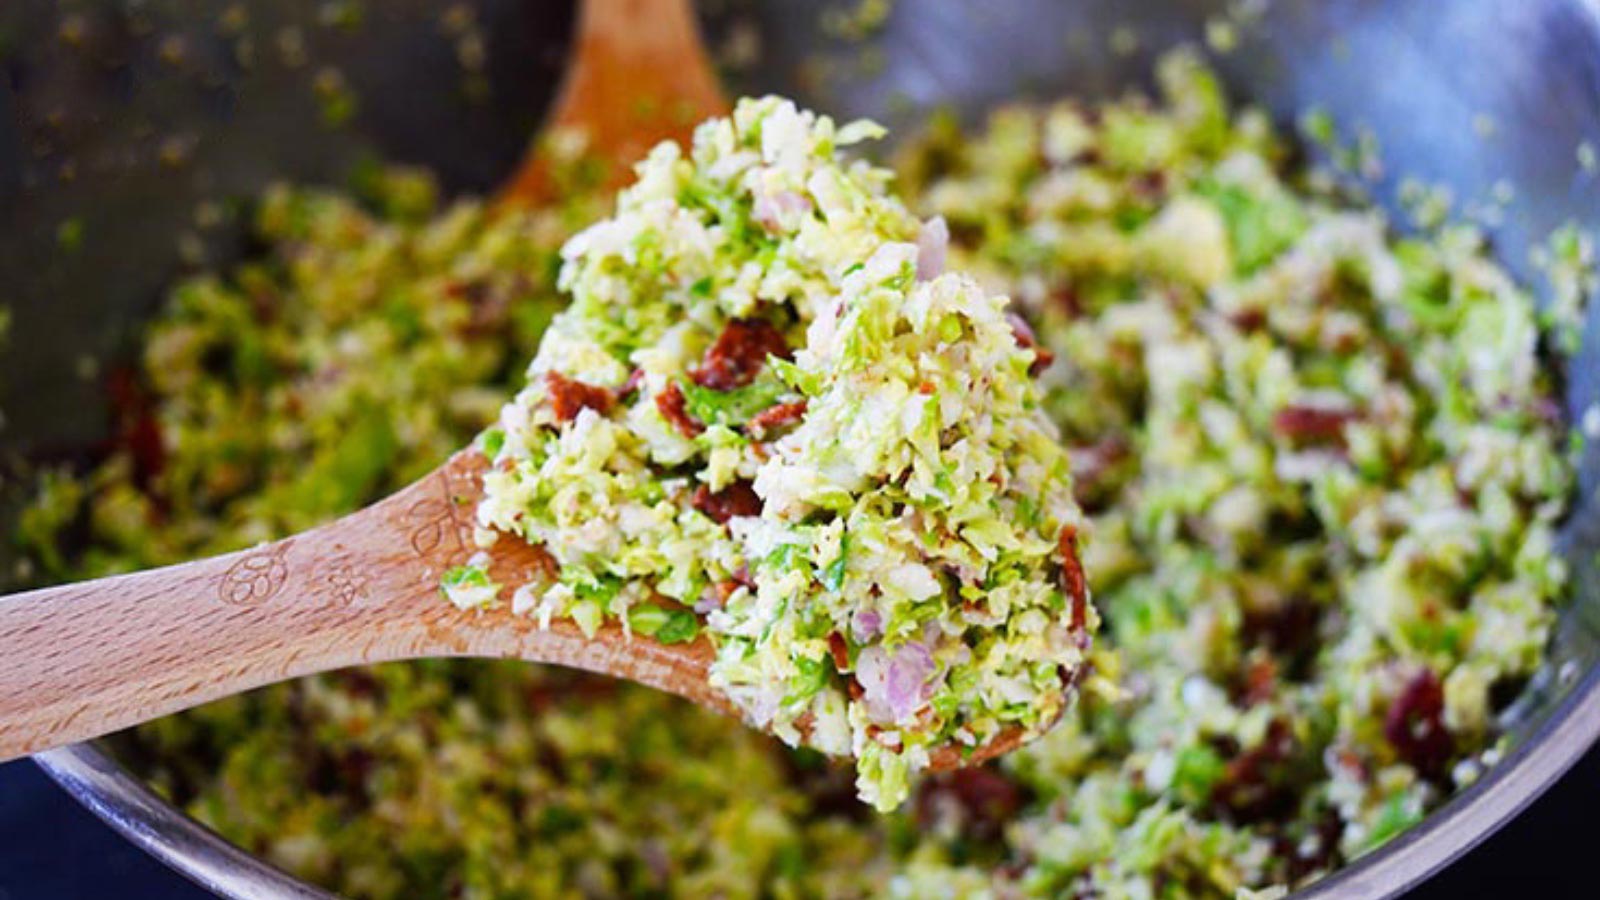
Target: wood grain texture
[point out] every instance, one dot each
(640, 75)
(81, 660)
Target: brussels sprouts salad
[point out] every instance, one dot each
(1321, 466)
(767, 405)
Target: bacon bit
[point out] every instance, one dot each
(1250, 787)
(1316, 852)
(568, 396)
(1027, 340)
(1249, 320)
(470, 291)
(739, 353)
(805, 723)
(856, 692)
(769, 421)
(1260, 681)
(674, 409)
(483, 316)
(1287, 628)
(1415, 725)
(840, 651)
(725, 590)
(735, 500)
(359, 682)
(338, 770)
(1042, 359)
(1065, 298)
(136, 430)
(1311, 425)
(981, 800)
(1348, 758)
(1150, 185)
(1072, 580)
(927, 388)
(1346, 344)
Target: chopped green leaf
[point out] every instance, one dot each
(681, 625)
(833, 575)
(734, 407)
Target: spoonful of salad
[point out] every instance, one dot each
(771, 458)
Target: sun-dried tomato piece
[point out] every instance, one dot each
(568, 396)
(735, 500)
(1307, 425)
(674, 408)
(981, 800)
(763, 425)
(1415, 725)
(1027, 340)
(1072, 579)
(739, 353)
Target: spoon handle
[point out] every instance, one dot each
(639, 75)
(81, 660)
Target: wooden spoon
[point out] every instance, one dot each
(79, 661)
(639, 76)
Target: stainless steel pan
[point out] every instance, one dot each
(1481, 95)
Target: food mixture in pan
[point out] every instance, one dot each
(1321, 467)
(769, 406)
